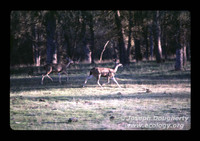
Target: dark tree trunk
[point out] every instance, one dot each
(50, 29)
(138, 55)
(58, 45)
(164, 46)
(91, 37)
(179, 59)
(151, 42)
(180, 44)
(146, 43)
(115, 50)
(188, 51)
(164, 36)
(35, 43)
(36, 49)
(137, 36)
(85, 42)
(121, 44)
(129, 36)
(179, 51)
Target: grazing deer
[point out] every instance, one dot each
(104, 72)
(59, 68)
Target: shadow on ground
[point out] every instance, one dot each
(33, 83)
(113, 96)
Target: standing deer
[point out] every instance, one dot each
(59, 68)
(104, 72)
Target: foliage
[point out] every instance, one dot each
(82, 34)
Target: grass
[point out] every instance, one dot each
(50, 106)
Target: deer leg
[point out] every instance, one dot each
(113, 78)
(98, 78)
(42, 79)
(108, 81)
(59, 75)
(49, 77)
(89, 77)
(47, 74)
(43, 76)
(67, 78)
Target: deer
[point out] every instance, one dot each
(58, 68)
(99, 72)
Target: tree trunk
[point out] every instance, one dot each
(179, 59)
(91, 37)
(121, 43)
(188, 51)
(164, 36)
(58, 45)
(50, 28)
(146, 43)
(180, 44)
(35, 43)
(115, 50)
(86, 45)
(184, 56)
(157, 37)
(137, 36)
(164, 46)
(179, 51)
(36, 49)
(129, 37)
(138, 55)
(37, 55)
(151, 42)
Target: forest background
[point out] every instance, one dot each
(45, 37)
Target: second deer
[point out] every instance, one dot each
(59, 68)
(103, 72)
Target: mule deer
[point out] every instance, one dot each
(59, 68)
(103, 72)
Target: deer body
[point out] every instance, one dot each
(59, 68)
(103, 72)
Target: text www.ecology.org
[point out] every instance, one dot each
(155, 122)
(155, 126)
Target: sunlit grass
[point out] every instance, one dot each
(49, 106)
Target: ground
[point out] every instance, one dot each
(153, 97)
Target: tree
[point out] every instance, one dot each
(40, 37)
(157, 37)
(179, 48)
(91, 26)
(151, 41)
(50, 30)
(130, 25)
(121, 43)
(182, 23)
(85, 40)
(36, 36)
(137, 34)
(37, 52)
(179, 52)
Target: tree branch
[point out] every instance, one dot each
(100, 59)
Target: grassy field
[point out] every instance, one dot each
(153, 97)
